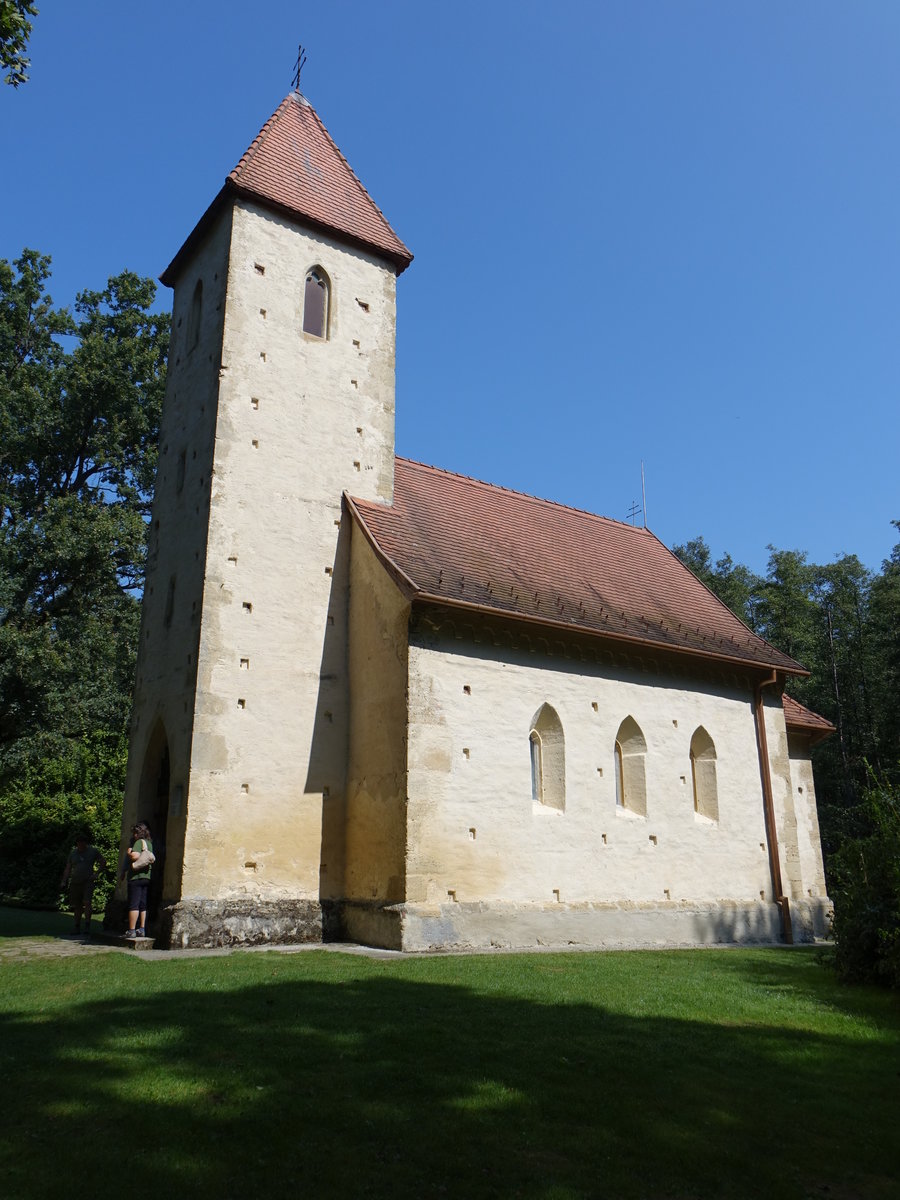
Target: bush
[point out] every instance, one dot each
(46, 803)
(865, 887)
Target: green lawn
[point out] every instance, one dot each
(678, 1074)
(31, 923)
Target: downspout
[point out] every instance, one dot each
(765, 772)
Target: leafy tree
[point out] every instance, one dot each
(15, 30)
(884, 630)
(787, 616)
(865, 887)
(48, 803)
(843, 624)
(80, 398)
(734, 584)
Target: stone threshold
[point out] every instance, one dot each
(107, 938)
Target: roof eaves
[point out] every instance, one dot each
(437, 600)
(397, 260)
(815, 734)
(800, 669)
(407, 257)
(399, 576)
(170, 275)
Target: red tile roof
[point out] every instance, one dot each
(800, 719)
(452, 540)
(293, 165)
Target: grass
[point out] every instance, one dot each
(31, 923)
(550, 1077)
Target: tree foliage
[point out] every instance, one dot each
(865, 887)
(80, 398)
(843, 624)
(43, 807)
(15, 30)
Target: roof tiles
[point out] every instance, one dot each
(799, 718)
(458, 541)
(294, 163)
(294, 166)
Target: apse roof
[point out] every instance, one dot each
(451, 540)
(800, 719)
(294, 166)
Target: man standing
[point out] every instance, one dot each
(78, 876)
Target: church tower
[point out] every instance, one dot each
(280, 395)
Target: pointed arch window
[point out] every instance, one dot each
(703, 775)
(316, 297)
(548, 759)
(630, 753)
(193, 329)
(537, 767)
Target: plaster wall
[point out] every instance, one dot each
(479, 843)
(299, 419)
(163, 709)
(376, 785)
(811, 883)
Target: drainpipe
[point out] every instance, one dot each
(765, 771)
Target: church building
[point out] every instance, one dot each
(381, 702)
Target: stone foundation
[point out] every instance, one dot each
(373, 924)
(204, 924)
(573, 926)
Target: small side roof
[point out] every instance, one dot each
(294, 167)
(455, 541)
(800, 719)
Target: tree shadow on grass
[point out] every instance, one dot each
(28, 922)
(377, 1086)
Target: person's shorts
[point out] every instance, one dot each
(80, 894)
(138, 891)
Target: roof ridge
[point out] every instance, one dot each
(356, 179)
(255, 145)
(499, 487)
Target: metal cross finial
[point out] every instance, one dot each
(301, 62)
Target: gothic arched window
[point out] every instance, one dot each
(703, 775)
(193, 329)
(548, 759)
(315, 303)
(631, 778)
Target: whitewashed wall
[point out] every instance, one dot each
(486, 864)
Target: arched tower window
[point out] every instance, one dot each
(193, 329)
(703, 775)
(548, 759)
(315, 303)
(630, 753)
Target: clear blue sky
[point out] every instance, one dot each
(680, 223)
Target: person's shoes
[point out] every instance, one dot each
(77, 929)
(140, 933)
(131, 933)
(87, 931)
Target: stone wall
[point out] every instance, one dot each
(376, 818)
(163, 713)
(300, 419)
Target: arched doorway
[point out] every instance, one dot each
(154, 809)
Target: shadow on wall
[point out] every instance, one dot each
(760, 923)
(365, 1085)
(331, 730)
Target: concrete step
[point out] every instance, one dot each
(108, 938)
